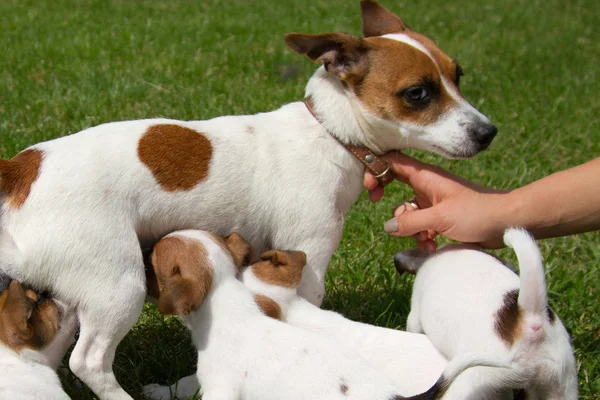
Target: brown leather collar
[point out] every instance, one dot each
(376, 166)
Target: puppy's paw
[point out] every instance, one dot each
(409, 261)
(154, 391)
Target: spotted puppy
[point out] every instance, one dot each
(74, 210)
(245, 355)
(466, 300)
(34, 335)
(410, 359)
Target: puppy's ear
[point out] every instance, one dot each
(284, 268)
(377, 21)
(240, 249)
(184, 275)
(271, 255)
(295, 259)
(15, 310)
(343, 55)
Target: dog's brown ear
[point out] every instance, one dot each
(292, 258)
(271, 255)
(240, 249)
(284, 268)
(378, 21)
(184, 275)
(342, 54)
(15, 310)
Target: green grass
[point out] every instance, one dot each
(532, 66)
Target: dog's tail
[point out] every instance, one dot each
(455, 367)
(532, 300)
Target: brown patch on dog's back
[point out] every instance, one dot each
(508, 318)
(268, 306)
(178, 157)
(18, 174)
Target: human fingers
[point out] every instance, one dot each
(410, 223)
(376, 194)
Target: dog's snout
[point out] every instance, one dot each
(485, 133)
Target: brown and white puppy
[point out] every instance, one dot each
(245, 355)
(466, 300)
(73, 211)
(34, 335)
(410, 359)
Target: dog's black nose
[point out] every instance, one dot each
(485, 133)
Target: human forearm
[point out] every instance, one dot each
(563, 203)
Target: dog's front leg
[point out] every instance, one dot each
(319, 249)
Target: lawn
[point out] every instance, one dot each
(530, 65)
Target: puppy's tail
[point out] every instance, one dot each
(532, 300)
(455, 367)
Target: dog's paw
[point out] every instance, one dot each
(154, 391)
(409, 261)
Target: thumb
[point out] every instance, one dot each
(408, 224)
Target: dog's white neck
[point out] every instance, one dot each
(342, 114)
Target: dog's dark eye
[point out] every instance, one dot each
(417, 95)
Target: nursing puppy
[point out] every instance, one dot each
(466, 300)
(34, 335)
(73, 211)
(410, 359)
(245, 355)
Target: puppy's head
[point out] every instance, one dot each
(274, 279)
(280, 268)
(406, 87)
(26, 319)
(187, 264)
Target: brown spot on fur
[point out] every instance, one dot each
(250, 130)
(508, 318)
(268, 306)
(446, 64)
(183, 272)
(18, 174)
(401, 66)
(344, 388)
(24, 323)
(281, 268)
(178, 157)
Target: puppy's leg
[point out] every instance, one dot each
(104, 321)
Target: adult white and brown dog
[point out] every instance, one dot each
(466, 300)
(75, 210)
(245, 355)
(35, 332)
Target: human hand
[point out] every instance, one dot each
(447, 204)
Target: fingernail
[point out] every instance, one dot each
(391, 226)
